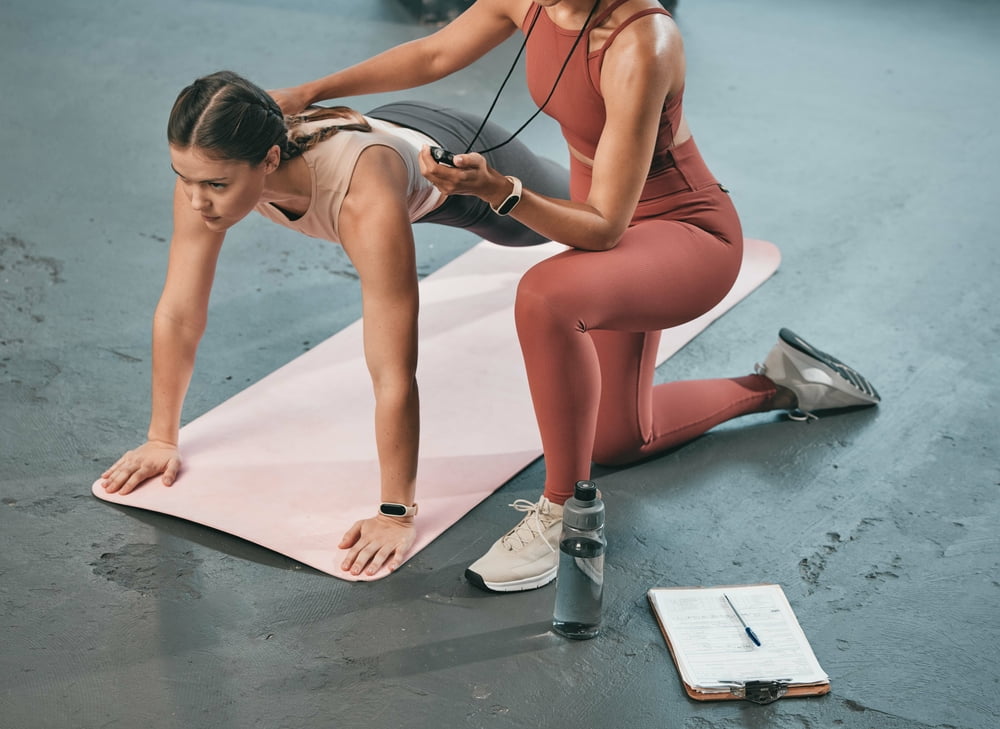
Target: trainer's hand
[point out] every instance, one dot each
(291, 100)
(146, 461)
(470, 175)
(381, 541)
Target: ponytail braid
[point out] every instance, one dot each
(303, 133)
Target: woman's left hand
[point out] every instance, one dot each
(381, 541)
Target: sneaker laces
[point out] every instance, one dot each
(533, 524)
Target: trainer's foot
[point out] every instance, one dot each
(527, 556)
(818, 380)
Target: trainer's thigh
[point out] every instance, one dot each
(662, 273)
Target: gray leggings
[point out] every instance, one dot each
(453, 130)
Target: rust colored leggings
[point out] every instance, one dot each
(589, 325)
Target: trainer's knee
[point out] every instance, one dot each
(543, 298)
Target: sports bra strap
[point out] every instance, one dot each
(628, 21)
(607, 12)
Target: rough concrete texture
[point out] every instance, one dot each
(860, 137)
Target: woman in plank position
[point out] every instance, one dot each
(331, 174)
(655, 242)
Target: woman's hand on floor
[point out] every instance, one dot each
(149, 459)
(381, 541)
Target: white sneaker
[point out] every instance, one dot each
(527, 556)
(820, 381)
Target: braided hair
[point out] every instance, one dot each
(231, 118)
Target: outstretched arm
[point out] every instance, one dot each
(178, 325)
(474, 33)
(377, 235)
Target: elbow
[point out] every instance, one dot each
(606, 238)
(607, 243)
(395, 394)
(434, 63)
(434, 69)
(175, 325)
(400, 384)
(603, 233)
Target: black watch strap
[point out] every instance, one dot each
(389, 508)
(511, 200)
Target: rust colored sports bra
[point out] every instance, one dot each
(577, 103)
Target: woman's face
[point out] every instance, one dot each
(222, 191)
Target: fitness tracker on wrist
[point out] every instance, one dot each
(399, 510)
(511, 200)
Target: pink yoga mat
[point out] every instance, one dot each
(290, 463)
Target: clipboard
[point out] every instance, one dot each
(737, 642)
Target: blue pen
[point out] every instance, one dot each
(750, 633)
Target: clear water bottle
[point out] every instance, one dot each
(580, 580)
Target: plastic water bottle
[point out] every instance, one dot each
(580, 580)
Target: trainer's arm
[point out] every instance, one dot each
(178, 324)
(471, 35)
(377, 236)
(640, 69)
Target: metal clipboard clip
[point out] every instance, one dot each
(758, 692)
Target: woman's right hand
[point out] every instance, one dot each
(292, 100)
(149, 459)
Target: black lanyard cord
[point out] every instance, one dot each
(496, 98)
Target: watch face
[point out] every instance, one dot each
(508, 205)
(393, 509)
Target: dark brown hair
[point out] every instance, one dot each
(232, 118)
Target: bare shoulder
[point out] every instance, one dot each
(650, 45)
(379, 176)
(374, 215)
(655, 35)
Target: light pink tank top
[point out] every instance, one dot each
(331, 166)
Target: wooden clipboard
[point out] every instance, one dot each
(715, 621)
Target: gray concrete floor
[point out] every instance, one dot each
(860, 137)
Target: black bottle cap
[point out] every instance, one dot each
(585, 491)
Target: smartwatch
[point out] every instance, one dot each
(513, 199)
(390, 509)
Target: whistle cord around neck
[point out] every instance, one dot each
(538, 111)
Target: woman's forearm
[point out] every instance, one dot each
(578, 224)
(405, 66)
(397, 438)
(467, 38)
(174, 348)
